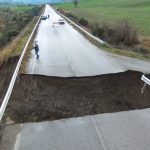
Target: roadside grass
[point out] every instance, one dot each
(123, 52)
(16, 46)
(108, 11)
(127, 53)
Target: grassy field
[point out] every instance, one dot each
(109, 11)
(18, 7)
(24, 8)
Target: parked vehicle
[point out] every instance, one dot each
(61, 21)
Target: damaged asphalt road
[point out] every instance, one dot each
(40, 98)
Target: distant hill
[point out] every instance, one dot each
(6, 1)
(33, 1)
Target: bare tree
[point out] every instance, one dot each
(75, 2)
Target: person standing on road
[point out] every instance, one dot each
(36, 47)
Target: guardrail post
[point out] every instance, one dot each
(147, 81)
(143, 88)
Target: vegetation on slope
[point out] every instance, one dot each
(16, 24)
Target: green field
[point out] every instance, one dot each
(109, 11)
(24, 8)
(18, 7)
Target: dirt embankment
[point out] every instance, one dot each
(40, 98)
(6, 71)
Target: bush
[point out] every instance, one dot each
(14, 18)
(94, 28)
(26, 19)
(126, 33)
(83, 22)
(12, 33)
(121, 33)
(98, 31)
(143, 50)
(69, 15)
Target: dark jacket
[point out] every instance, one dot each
(36, 48)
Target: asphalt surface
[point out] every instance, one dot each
(117, 131)
(65, 52)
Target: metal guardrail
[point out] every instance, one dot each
(13, 80)
(89, 34)
(145, 79)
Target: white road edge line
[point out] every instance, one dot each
(13, 80)
(100, 136)
(33, 66)
(18, 139)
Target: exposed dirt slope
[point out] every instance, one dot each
(6, 71)
(38, 98)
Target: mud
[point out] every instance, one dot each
(40, 98)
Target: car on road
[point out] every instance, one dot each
(61, 21)
(43, 17)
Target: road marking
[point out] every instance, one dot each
(100, 136)
(33, 66)
(18, 139)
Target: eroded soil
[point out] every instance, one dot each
(40, 98)
(6, 71)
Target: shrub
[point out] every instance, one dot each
(69, 15)
(12, 33)
(94, 28)
(98, 31)
(126, 33)
(26, 19)
(83, 22)
(143, 50)
(14, 18)
(121, 33)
